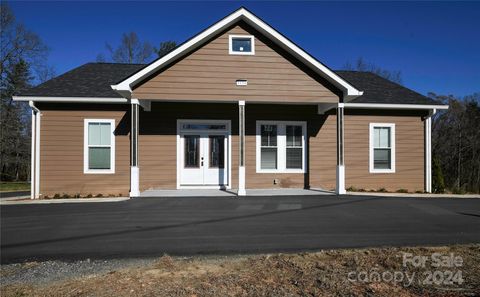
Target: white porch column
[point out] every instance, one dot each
(134, 170)
(241, 137)
(428, 151)
(340, 187)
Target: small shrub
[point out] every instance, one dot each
(46, 197)
(111, 195)
(352, 189)
(371, 190)
(56, 196)
(89, 196)
(419, 192)
(457, 190)
(65, 196)
(99, 196)
(382, 190)
(362, 190)
(120, 195)
(402, 191)
(76, 195)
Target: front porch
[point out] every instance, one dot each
(229, 149)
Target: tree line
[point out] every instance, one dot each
(455, 132)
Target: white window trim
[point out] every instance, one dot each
(392, 147)
(230, 45)
(281, 146)
(86, 170)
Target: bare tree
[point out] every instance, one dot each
(21, 51)
(18, 43)
(361, 65)
(131, 50)
(456, 142)
(165, 47)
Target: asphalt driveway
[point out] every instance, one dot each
(180, 226)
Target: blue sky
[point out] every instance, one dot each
(436, 45)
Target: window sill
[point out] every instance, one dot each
(99, 171)
(382, 171)
(242, 53)
(299, 171)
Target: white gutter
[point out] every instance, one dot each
(393, 106)
(35, 152)
(72, 99)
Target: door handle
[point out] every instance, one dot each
(201, 163)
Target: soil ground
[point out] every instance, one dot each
(349, 272)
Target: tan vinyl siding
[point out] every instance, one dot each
(61, 151)
(409, 142)
(209, 74)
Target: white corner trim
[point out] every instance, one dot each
(70, 99)
(86, 170)
(230, 45)
(428, 150)
(392, 106)
(392, 147)
(350, 92)
(281, 146)
(35, 157)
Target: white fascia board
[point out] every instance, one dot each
(350, 92)
(393, 106)
(125, 86)
(70, 99)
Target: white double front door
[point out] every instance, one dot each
(204, 154)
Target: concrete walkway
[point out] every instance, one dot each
(233, 192)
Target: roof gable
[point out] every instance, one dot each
(349, 91)
(209, 74)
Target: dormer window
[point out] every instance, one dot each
(241, 45)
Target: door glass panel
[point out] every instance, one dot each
(192, 151)
(217, 151)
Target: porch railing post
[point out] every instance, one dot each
(340, 187)
(241, 136)
(134, 170)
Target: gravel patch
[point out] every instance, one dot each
(36, 273)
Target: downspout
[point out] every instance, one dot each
(428, 150)
(35, 152)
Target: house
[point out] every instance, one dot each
(238, 106)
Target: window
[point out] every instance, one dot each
(99, 146)
(280, 147)
(382, 148)
(268, 149)
(241, 45)
(294, 147)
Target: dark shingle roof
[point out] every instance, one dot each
(377, 89)
(94, 80)
(88, 80)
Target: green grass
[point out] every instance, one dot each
(14, 186)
